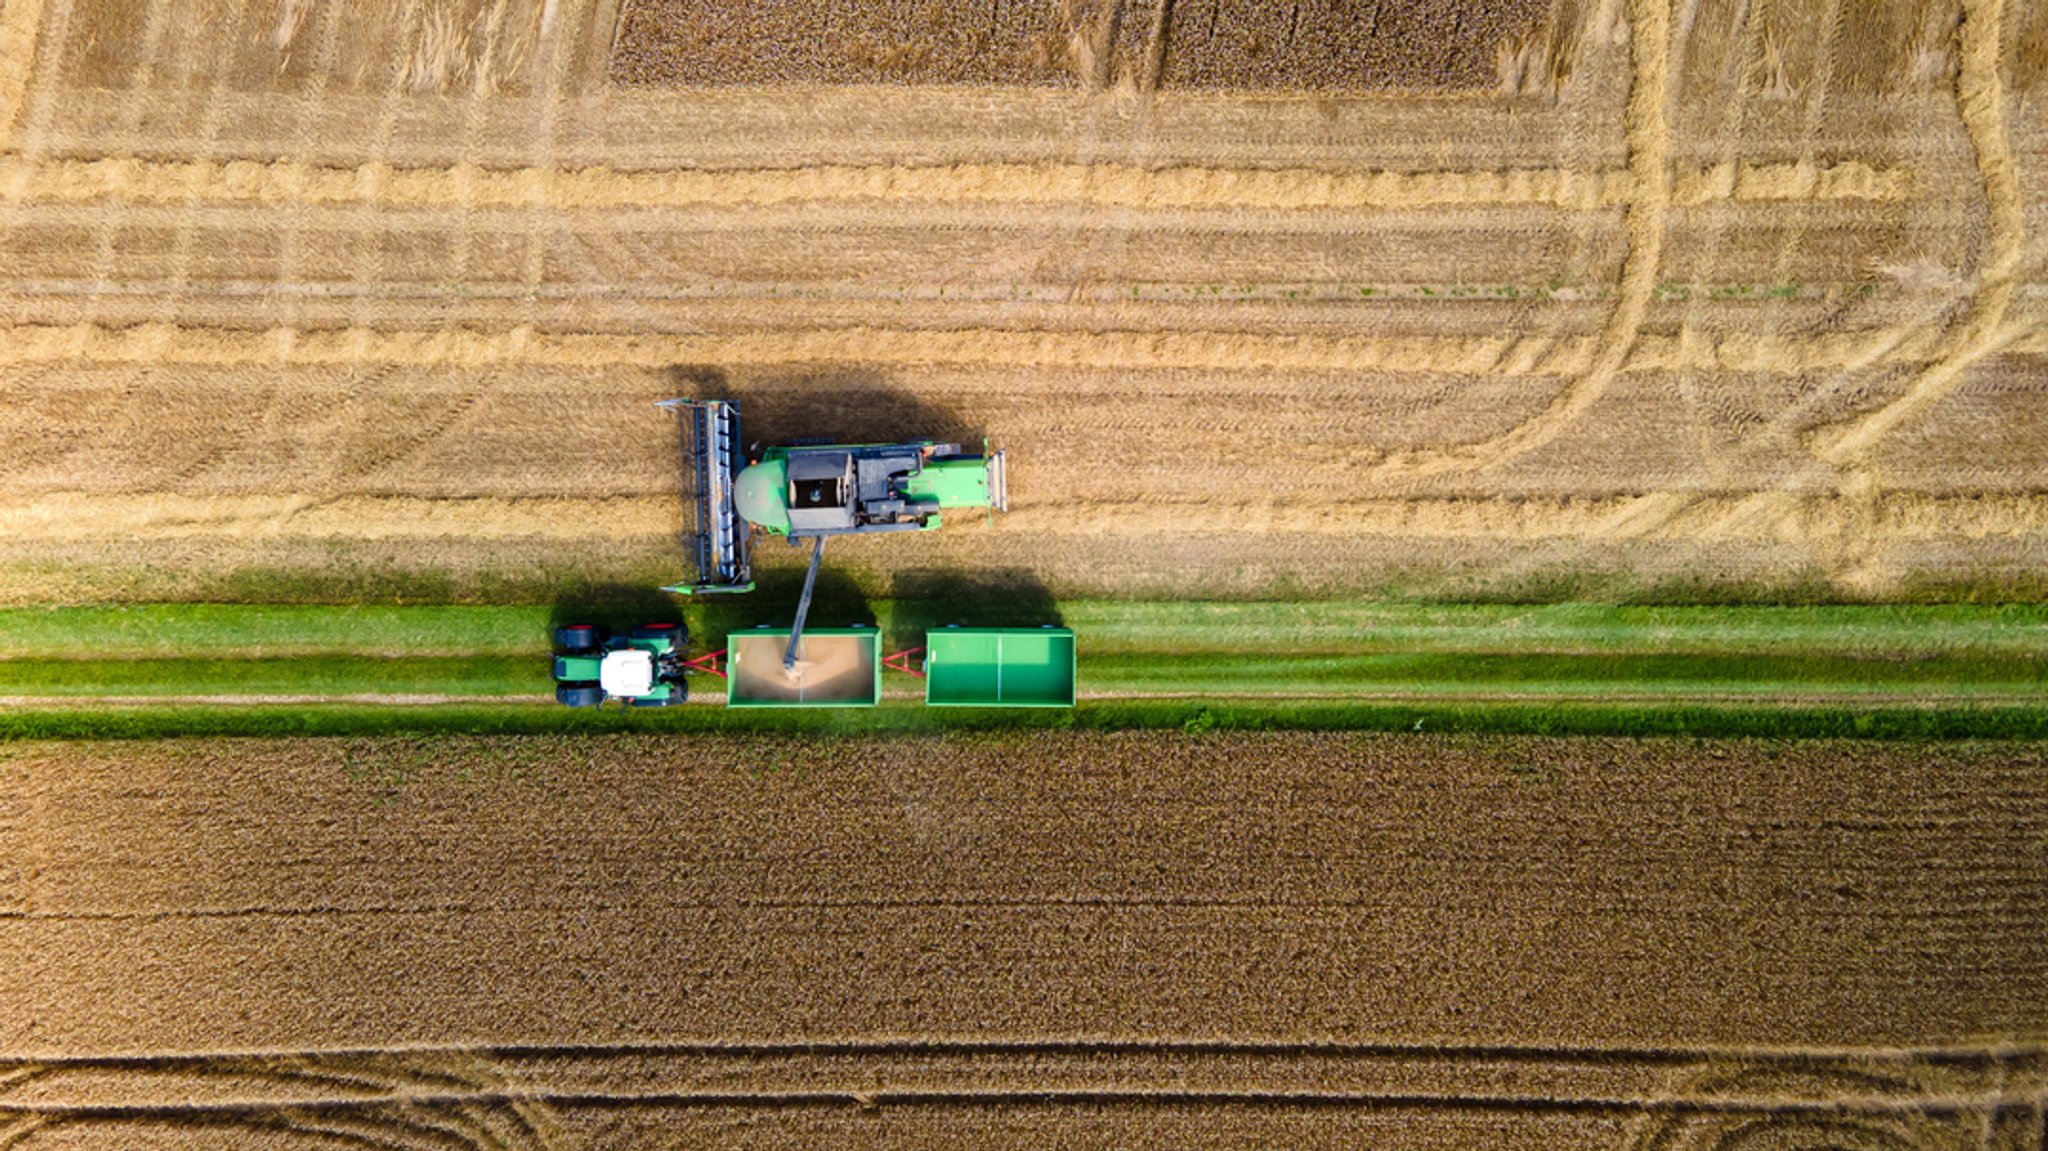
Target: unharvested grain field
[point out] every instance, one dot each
(1263, 299)
(1095, 940)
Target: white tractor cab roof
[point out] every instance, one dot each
(627, 673)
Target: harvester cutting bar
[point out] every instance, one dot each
(714, 535)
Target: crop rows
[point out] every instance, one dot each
(748, 889)
(1332, 45)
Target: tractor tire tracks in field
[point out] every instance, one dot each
(1850, 446)
(1217, 350)
(469, 186)
(323, 514)
(1980, 99)
(1648, 128)
(20, 20)
(516, 1098)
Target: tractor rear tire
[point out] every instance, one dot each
(579, 637)
(669, 631)
(579, 696)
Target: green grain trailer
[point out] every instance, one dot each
(999, 667)
(834, 667)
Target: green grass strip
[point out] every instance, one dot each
(181, 629)
(1151, 673)
(1191, 719)
(330, 675)
(1104, 626)
(1111, 626)
(1866, 657)
(1543, 672)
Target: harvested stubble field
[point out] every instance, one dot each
(1616, 296)
(1099, 940)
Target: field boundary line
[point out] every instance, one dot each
(1108, 185)
(1648, 132)
(1987, 1051)
(1980, 101)
(1214, 350)
(1957, 1105)
(1760, 515)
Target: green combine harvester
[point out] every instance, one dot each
(812, 491)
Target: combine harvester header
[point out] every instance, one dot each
(713, 532)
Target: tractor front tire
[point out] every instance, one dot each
(573, 696)
(579, 637)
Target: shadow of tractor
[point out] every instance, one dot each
(615, 607)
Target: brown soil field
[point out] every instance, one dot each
(701, 43)
(1106, 940)
(1696, 293)
(1312, 45)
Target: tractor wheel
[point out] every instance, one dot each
(579, 637)
(579, 696)
(669, 631)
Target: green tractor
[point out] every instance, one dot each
(643, 668)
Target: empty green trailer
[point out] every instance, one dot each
(836, 667)
(999, 667)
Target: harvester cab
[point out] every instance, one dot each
(812, 491)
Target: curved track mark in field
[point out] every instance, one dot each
(1649, 148)
(508, 1098)
(1848, 1128)
(468, 186)
(1980, 100)
(395, 1102)
(19, 22)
